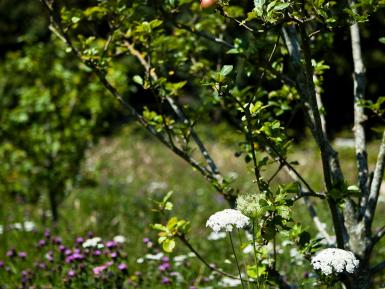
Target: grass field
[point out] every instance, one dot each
(122, 176)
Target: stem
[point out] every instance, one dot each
(255, 255)
(243, 260)
(275, 252)
(236, 260)
(203, 260)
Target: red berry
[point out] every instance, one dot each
(207, 3)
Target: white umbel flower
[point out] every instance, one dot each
(92, 243)
(226, 219)
(119, 239)
(332, 260)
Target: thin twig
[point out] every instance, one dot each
(312, 211)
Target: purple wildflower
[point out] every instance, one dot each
(47, 234)
(40, 265)
(57, 240)
(41, 243)
(71, 274)
(11, 253)
(62, 248)
(146, 240)
(122, 267)
(114, 255)
(1, 264)
(49, 256)
(164, 267)
(111, 244)
(23, 255)
(67, 252)
(165, 259)
(97, 253)
(99, 269)
(74, 257)
(79, 240)
(24, 277)
(166, 281)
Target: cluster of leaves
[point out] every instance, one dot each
(51, 112)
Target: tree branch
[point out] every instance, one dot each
(57, 28)
(300, 59)
(180, 114)
(375, 185)
(311, 209)
(359, 115)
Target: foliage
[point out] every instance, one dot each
(256, 62)
(51, 113)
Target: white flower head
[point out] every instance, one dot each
(226, 220)
(154, 257)
(229, 282)
(119, 239)
(332, 260)
(29, 226)
(92, 243)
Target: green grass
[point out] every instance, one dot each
(124, 173)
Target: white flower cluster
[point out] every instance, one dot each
(226, 219)
(119, 239)
(93, 242)
(27, 226)
(332, 260)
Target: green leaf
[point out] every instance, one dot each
(281, 6)
(168, 245)
(138, 79)
(159, 227)
(162, 239)
(75, 19)
(226, 69)
(382, 40)
(255, 272)
(168, 206)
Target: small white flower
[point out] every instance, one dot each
(17, 226)
(216, 236)
(248, 249)
(296, 256)
(119, 239)
(229, 282)
(92, 243)
(332, 260)
(155, 257)
(226, 219)
(181, 258)
(29, 226)
(140, 260)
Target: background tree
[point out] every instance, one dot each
(51, 113)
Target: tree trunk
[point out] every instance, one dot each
(53, 204)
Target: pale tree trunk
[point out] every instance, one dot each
(352, 225)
